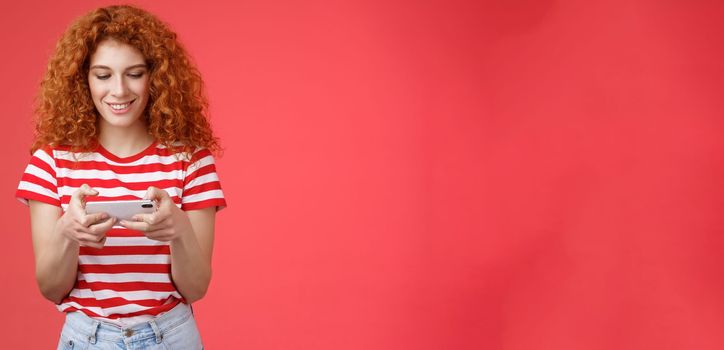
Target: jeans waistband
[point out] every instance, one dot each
(96, 329)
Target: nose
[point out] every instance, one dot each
(119, 88)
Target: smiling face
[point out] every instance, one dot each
(118, 81)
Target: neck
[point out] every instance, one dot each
(124, 141)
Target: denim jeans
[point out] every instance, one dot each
(175, 329)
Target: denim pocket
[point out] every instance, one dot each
(65, 343)
(70, 340)
(184, 336)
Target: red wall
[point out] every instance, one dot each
(508, 174)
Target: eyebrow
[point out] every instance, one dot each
(140, 65)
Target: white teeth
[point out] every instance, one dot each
(119, 106)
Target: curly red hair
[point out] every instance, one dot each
(177, 109)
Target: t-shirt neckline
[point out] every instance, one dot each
(106, 153)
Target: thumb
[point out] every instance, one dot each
(83, 191)
(156, 194)
(86, 189)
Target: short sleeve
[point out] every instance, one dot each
(39, 181)
(202, 188)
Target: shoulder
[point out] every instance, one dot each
(52, 149)
(49, 153)
(185, 153)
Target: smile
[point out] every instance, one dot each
(119, 106)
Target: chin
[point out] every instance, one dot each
(120, 122)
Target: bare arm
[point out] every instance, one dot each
(57, 238)
(191, 255)
(56, 257)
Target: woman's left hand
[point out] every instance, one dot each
(166, 224)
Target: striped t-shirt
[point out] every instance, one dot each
(129, 279)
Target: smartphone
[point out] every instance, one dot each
(122, 210)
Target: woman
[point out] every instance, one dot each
(121, 116)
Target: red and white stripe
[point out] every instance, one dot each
(129, 279)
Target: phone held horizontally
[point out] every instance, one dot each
(121, 210)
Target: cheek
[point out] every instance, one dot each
(143, 88)
(96, 91)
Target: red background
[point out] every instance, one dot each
(508, 174)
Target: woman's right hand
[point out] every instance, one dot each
(87, 230)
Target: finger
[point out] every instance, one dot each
(78, 228)
(157, 194)
(93, 244)
(152, 219)
(162, 235)
(90, 237)
(90, 219)
(79, 195)
(147, 218)
(91, 240)
(103, 227)
(138, 226)
(83, 233)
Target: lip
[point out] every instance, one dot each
(120, 111)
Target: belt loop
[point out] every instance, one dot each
(156, 331)
(94, 330)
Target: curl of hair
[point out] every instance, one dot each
(176, 113)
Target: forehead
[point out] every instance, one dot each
(116, 55)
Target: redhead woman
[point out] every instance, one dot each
(122, 116)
